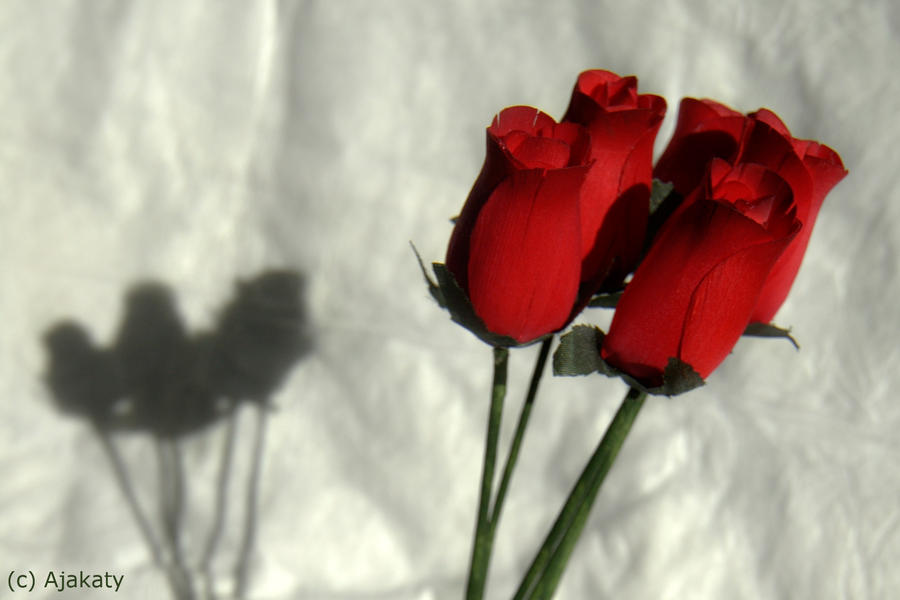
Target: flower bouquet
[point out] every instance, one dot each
(691, 253)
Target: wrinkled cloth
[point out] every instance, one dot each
(198, 145)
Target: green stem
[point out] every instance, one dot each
(547, 568)
(519, 434)
(481, 548)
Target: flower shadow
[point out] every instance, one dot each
(160, 381)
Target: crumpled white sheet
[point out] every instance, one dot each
(196, 144)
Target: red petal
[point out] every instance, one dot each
(497, 166)
(608, 89)
(622, 152)
(811, 178)
(525, 254)
(540, 152)
(578, 140)
(705, 130)
(766, 146)
(602, 91)
(772, 120)
(781, 278)
(620, 176)
(655, 104)
(757, 192)
(825, 167)
(519, 137)
(520, 118)
(722, 303)
(694, 114)
(825, 174)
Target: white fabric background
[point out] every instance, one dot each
(197, 143)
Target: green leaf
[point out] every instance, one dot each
(433, 288)
(578, 353)
(658, 193)
(462, 312)
(770, 330)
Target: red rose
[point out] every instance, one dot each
(516, 248)
(708, 130)
(615, 197)
(694, 293)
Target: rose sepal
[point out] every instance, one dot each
(433, 288)
(660, 191)
(770, 330)
(451, 297)
(605, 300)
(664, 201)
(461, 311)
(578, 353)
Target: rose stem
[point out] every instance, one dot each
(482, 544)
(519, 434)
(546, 570)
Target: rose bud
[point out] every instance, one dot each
(615, 197)
(694, 293)
(516, 248)
(708, 130)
